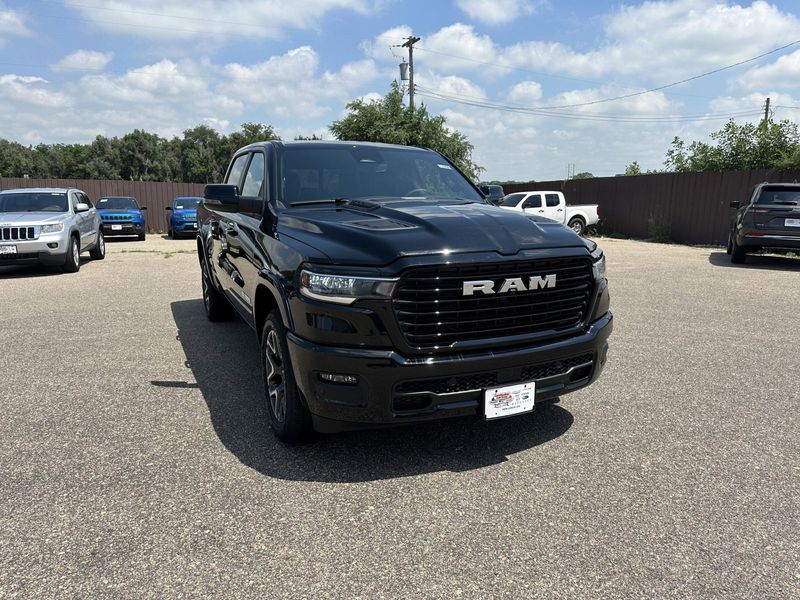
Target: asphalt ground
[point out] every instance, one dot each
(136, 460)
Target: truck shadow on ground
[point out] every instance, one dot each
(757, 261)
(224, 360)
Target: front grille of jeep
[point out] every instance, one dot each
(18, 234)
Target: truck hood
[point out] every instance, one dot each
(360, 234)
(31, 218)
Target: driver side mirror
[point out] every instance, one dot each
(81, 207)
(222, 196)
(735, 204)
(168, 208)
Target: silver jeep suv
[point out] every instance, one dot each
(49, 226)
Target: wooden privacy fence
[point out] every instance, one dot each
(155, 195)
(691, 208)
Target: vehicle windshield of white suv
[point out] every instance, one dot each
(117, 204)
(33, 202)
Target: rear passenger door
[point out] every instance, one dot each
(553, 207)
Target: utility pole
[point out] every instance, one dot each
(409, 43)
(766, 112)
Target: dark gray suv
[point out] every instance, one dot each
(769, 219)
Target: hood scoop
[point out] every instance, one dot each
(381, 225)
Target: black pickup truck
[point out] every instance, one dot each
(385, 289)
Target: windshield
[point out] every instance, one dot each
(33, 202)
(511, 200)
(117, 204)
(186, 203)
(326, 173)
(779, 196)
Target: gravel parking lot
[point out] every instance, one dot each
(137, 460)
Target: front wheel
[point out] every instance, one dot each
(142, 237)
(99, 250)
(72, 262)
(577, 225)
(289, 418)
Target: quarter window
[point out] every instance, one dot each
(254, 180)
(237, 168)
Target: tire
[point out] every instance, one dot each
(99, 250)
(577, 225)
(217, 307)
(142, 237)
(729, 248)
(288, 416)
(738, 254)
(72, 262)
(170, 234)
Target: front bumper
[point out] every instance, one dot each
(48, 249)
(393, 389)
(125, 228)
(185, 227)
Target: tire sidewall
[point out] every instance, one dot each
(579, 222)
(72, 262)
(296, 425)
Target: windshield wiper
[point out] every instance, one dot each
(321, 201)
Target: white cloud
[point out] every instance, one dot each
(32, 90)
(12, 23)
(784, 72)
(83, 60)
(176, 19)
(525, 92)
(382, 47)
(445, 47)
(496, 12)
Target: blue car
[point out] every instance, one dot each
(183, 217)
(122, 215)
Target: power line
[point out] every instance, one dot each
(518, 108)
(673, 84)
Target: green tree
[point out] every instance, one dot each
(388, 120)
(583, 175)
(633, 169)
(739, 146)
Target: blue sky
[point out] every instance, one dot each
(72, 69)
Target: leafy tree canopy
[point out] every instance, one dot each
(583, 175)
(633, 169)
(389, 121)
(739, 146)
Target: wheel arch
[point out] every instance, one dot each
(267, 298)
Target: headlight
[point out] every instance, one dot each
(344, 289)
(599, 260)
(53, 228)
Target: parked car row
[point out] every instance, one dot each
(53, 226)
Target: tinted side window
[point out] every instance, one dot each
(534, 201)
(235, 174)
(85, 199)
(254, 180)
(551, 199)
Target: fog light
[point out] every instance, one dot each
(52, 245)
(338, 378)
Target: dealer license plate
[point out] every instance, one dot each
(8, 249)
(793, 222)
(116, 228)
(509, 400)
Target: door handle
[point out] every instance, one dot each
(560, 210)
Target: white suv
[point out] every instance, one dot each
(49, 226)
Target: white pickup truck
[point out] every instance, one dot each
(553, 206)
